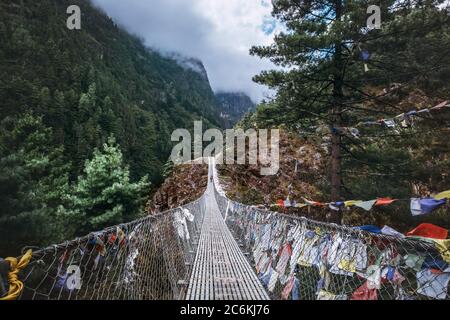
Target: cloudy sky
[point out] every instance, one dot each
(218, 32)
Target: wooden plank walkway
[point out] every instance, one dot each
(221, 271)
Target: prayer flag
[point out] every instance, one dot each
(384, 201)
(428, 230)
(428, 205)
(366, 205)
(351, 203)
(441, 105)
(443, 195)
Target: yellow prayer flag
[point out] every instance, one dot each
(351, 203)
(347, 265)
(443, 195)
(443, 247)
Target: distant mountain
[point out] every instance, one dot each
(100, 80)
(188, 63)
(233, 106)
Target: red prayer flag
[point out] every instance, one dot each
(384, 201)
(428, 230)
(436, 271)
(364, 293)
(280, 203)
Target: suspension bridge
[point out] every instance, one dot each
(218, 249)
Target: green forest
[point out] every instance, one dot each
(86, 118)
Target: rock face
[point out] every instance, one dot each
(233, 106)
(186, 183)
(190, 64)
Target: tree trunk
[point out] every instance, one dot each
(336, 117)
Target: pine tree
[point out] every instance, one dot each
(104, 194)
(33, 184)
(330, 60)
(167, 169)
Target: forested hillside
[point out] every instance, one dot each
(67, 93)
(94, 82)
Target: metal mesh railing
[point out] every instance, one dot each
(295, 258)
(300, 259)
(150, 258)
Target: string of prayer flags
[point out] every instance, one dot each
(418, 206)
(405, 119)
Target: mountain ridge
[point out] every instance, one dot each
(98, 81)
(233, 106)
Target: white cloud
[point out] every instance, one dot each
(218, 32)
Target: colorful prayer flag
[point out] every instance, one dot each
(428, 230)
(384, 201)
(428, 205)
(351, 203)
(442, 195)
(366, 205)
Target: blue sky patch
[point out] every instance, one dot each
(268, 26)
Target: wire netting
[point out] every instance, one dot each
(294, 258)
(150, 258)
(300, 259)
